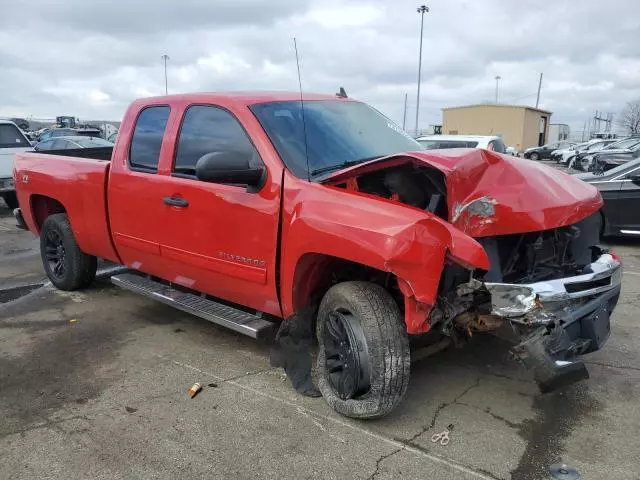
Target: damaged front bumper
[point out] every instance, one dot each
(559, 320)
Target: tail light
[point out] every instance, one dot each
(615, 256)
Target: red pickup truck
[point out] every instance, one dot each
(264, 211)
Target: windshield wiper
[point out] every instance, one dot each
(340, 166)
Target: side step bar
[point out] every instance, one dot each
(215, 312)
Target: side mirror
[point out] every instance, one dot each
(229, 167)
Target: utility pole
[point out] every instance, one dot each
(165, 57)
(404, 117)
(422, 9)
(539, 88)
(498, 78)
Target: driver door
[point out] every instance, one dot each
(220, 239)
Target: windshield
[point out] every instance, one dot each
(11, 137)
(337, 133)
(436, 144)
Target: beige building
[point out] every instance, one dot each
(520, 127)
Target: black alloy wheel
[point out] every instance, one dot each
(55, 253)
(346, 355)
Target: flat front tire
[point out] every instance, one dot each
(68, 267)
(363, 359)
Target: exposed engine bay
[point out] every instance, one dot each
(419, 186)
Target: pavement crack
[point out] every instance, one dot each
(442, 406)
(380, 460)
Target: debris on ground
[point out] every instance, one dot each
(193, 391)
(443, 437)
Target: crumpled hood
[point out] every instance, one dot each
(493, 194)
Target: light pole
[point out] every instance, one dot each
(422, 9)
(498, 78)
(165, 57)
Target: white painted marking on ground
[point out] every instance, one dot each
(631, 273)
(302, 410)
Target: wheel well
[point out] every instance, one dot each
(43, 206)
(316, 273)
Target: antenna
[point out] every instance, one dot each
(304, 123)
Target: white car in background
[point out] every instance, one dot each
(12, 141)
(488, 142)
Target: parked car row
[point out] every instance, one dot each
(607, 157)
(545, 151)
(565, 155)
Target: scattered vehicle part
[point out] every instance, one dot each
(560, 471)
(443, 437)
(193, 391)
(380, 240)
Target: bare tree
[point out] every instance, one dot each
(630, 117)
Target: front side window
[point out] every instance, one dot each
(147, 138)
(334, 133)
(11, 137)
(208, 129)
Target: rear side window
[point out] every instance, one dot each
(61, 145)
(208, 129)
(147, 138)
(10, 137)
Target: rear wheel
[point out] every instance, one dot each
(363, 359)
(68, 267)
(10, 199)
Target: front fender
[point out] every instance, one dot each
(409, 243)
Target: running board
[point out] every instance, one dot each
(230, 317)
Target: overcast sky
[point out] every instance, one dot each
(91, 58)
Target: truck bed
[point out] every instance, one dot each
(48, 184)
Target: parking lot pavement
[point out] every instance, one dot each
(94, 384)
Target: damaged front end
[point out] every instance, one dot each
(551, 293)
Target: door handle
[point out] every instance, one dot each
(175, 202)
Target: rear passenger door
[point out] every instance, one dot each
(136, 208)
(220, 239)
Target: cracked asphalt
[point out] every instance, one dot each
(94, 384)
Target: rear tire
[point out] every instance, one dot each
(68, 267)
(382, 348)
(10, 199)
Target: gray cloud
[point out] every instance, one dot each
(91, 59)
